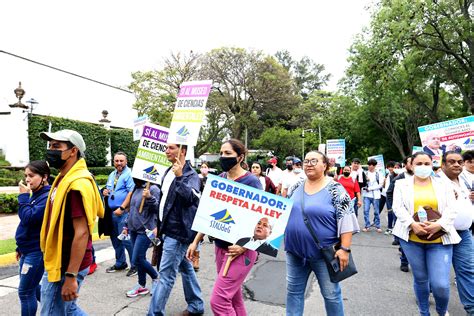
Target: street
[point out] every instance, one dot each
(380, 288)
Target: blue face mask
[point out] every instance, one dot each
(423, 171)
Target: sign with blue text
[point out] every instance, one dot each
(380, 167)
(242, 215)
(336, 150)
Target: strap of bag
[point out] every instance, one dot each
(306, 220)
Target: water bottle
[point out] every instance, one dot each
(152, 237)
(422, 216)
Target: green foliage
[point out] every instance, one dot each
(281, 141)
(12, 174)
(95, 136)
(101, 179)
(3, 162)
(97, 171)
(8, 203)
(122, 140)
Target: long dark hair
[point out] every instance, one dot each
(39, 167)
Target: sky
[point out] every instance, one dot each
(108, 40)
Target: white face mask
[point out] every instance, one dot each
(423, 171)
(398, 171)
(297, 170)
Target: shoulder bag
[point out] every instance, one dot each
(329, 252)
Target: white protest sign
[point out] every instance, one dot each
(336, 149)
(242, 215)
(138, 124)
(189, 112)
(151, 162)
(380, 167)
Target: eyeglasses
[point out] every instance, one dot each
(311, 162)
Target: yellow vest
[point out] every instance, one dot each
(78, 178)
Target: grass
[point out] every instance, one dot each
(7, 246)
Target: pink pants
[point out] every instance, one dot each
(227, 298)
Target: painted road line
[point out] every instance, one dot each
(10, 285)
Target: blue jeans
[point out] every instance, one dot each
(140, 245)
(375, 202)
(29, 290)
(463, 262)
(431, 265)
(120, 245)
(356, 207)
(172, 260)
(51, 300)
(297, 274)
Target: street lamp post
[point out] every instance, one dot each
(302, 136)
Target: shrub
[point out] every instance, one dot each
(97, 171)
(101, 179)
(122, 140)
(8, 182)
(8, 203)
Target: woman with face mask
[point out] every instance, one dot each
(31, 204)
(227, 298)
(351, 185)
(430, 259)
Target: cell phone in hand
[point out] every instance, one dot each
(335, 264)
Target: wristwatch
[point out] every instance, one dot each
(345, 249)
(70, 274)
(122, 208)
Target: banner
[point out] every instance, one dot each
(380, 167)
(189, 112)
(138, 124)
(336, 148)
(151, 162)
(457, 135)
(416, 149)
(242, 215)
(321, 148)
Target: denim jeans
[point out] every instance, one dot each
(51, 300)
(120, 245)
(356, 207)
(297, 274)
(391, 219)
(140, 245)
(29, 290)
(463, 262)
(172, 260)
(375, 202)
(431, 265)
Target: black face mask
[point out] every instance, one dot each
(53, 157)
(227, 163)
(269, 166)
(346, 174)
(289, 167)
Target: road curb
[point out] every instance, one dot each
(10, 258)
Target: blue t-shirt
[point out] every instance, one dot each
(120, 190)
(322, 216)
(248, 179)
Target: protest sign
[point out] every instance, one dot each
(457, 135)
(138, 124)
(236, 213)
(151, 162)
(380, 167)
(416, 149)
(321, 148)
(189, 112)
(336, 149)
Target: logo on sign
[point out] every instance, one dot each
(150, 173)
(222, 221)
(183, 131)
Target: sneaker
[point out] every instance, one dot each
(132, 271)
(137, 290)
(404, 268)
(388, 231)
(114, 268)
(379, 230)
(395, 243)
(92, 268)
(366, 229)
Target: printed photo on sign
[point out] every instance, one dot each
(454, 135)
(242, 215)
(151, 162)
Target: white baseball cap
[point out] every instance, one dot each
(66, 135)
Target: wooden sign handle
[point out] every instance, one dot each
(143, 198)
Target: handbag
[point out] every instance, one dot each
(329, 252)
(433, 216)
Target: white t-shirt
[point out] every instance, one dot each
(464, 208)
(275, 175)
(262, 181)
(292, 179)
(373, 186)
(165, 188)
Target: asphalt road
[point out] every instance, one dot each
(380, 288)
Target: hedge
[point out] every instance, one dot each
(95, 136)
(97, 171)
(122, 140)
(8, 203)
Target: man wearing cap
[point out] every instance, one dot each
(118, 192)
(297, 175)
(358, 174)
(73, 204)
(274, 173)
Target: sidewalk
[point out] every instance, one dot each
(9, 224)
